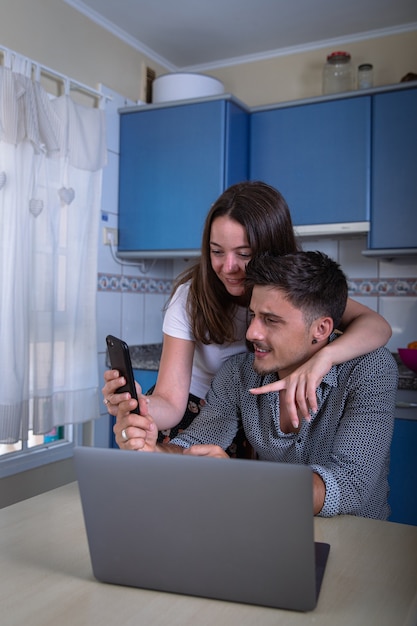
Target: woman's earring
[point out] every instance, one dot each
(314, 341)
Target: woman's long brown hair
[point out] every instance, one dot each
(265, 215)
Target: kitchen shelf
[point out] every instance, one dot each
(390, 253)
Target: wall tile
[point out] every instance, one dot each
(327, 245)
(352, 261)
(400, 267)
(180, 265)
(163, 269)
(109, 318)
(133, 323)
(110, 184)
(149, 269)
(372, 302)
(401, 313)
(153, 313)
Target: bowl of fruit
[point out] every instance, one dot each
(408, 356)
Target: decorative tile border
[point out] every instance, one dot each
(115, 283)
(382, 287)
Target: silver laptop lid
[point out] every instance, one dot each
(228, 529)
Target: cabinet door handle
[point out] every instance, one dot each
(406, 405)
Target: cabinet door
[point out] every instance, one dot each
(394, 170)
(403, 472)
(174, 162)
(318, 156)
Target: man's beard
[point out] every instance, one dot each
(263, 371)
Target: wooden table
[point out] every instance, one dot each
(46, 577)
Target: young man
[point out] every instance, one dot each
(297, 302)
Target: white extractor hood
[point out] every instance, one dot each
(390, 253)
(342, 228)
(309, 230)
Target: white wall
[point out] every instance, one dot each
(54, 34)
(299, 75)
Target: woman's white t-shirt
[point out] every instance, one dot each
(207, 358)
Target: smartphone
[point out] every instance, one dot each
(119, 356)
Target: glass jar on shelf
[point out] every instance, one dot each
(365, 76)
(337, 73)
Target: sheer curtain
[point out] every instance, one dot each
(52, 152)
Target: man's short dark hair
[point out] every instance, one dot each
(312, 282)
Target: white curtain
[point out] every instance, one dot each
(52, 152)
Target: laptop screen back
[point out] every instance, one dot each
(228, 529)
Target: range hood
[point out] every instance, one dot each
(341, 228)
(390, 253)
(137, 256)
(309, 230)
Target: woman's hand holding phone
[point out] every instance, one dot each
(119, 356)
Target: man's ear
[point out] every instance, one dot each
(321, 329)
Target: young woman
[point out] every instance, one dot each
(206, 318)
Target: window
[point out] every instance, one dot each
(52, 151)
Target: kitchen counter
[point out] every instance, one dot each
(46, 576)
(147, 357)
(407, 378)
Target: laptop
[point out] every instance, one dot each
(229, 529)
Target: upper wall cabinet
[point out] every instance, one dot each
(175, 160)
(318, 156)
(394, 170)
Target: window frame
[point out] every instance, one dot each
(43, 454)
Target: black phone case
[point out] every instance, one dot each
(120, 360)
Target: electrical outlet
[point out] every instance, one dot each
(109, 236)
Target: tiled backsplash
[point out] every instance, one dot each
(133, 284)
(386, 287)
(141, 298)
(357, 286)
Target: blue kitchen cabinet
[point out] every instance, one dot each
(318, 156)
(146, 379)
(394, 170)
(175, 160)
(403, 472)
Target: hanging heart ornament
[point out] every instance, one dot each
(3, 179)
(35, 206)
(66, 194)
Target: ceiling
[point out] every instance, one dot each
(198, 34)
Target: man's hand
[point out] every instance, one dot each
(132, 431)
(206, 450)
(300, 387)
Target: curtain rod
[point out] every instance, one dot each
(53, 73)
